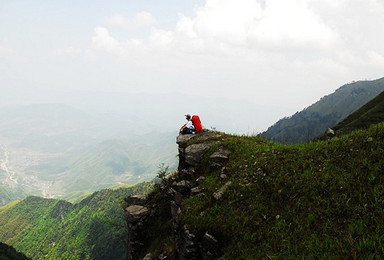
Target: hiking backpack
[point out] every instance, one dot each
(197, 123)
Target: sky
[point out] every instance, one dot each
(257, 60)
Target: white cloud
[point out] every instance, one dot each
(161, 38)
(280, 25)
(227, 26)
(140, 19)
(103, 41)
(291, 24)
(118, 20)
(227, 21)
(255, 46)
(68, 51)
(144, 19)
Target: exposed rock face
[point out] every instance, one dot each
(194, 153)
(187, 245)
(135, 215)
(192, 149)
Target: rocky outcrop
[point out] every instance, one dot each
(192, 149)
(136, 217)
(187, 182)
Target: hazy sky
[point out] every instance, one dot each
(283, 54)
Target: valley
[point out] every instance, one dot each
(14, 164)
(55, 150)
(10, 178)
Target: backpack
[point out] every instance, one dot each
(197, 123)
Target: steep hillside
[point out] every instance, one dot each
(247, 198)
(370, 113)
(327, 112)
(94, 228)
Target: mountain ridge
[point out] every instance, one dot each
(307, 124)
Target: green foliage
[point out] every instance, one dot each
(162, 172)
(327, 112)
(94, 228)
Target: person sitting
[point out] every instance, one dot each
(188, 128)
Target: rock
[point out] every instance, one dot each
(189, 248)
(135, 217)
(137, 199)
(220, 192)
(330, 132)
(136, 213)
(179, 198)
(218, 158)
(200, 180)
(184, 187)
(369, 139)
(223, 176)
(194, 153)
(149, 256)
(195, 191)
(209, 247)
(187, 174)
(182, 140)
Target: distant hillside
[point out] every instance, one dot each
(327, 112)
(94, 228)
(239, 197)
(7, 195)
(50, 150)
(118, 161)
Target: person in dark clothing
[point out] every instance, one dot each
(188, 128)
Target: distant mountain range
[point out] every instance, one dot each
(52, 150)
(327, 112)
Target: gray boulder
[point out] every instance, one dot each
(194, 153)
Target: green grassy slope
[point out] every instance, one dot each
(94, 228)
(370, 113)
(322, 200)
(327, 112)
